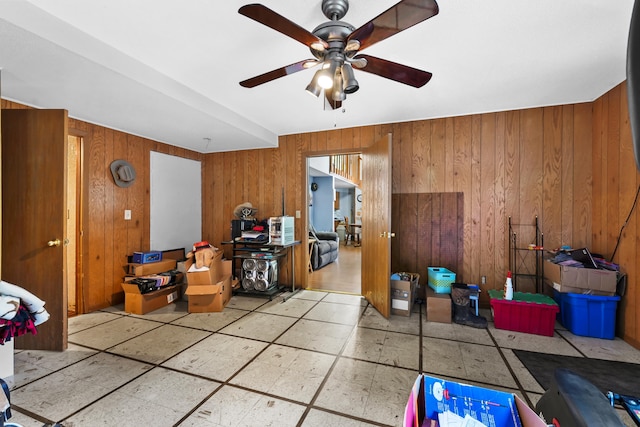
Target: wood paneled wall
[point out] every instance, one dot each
(547, 162)
(570, 165)
(108, 238)
(615, 184)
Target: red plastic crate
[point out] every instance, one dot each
(529, 313)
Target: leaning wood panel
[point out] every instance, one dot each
(427, 234)
(404, 223)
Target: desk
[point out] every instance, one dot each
(243, 249)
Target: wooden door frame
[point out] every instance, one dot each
(304, 215)
(81, 218)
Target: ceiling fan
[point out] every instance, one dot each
(336, 46)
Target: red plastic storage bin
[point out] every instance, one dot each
(529, 313)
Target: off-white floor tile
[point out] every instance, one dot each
(345, 299)
(62, 393)
(317, 418)
(22, 419)
(456, 332)
(386, 347)
(167, 313)
(292, 307)
(369, 391)
(598, 348)
(217, 357)
(79, 323)
(165, 395)
(109, 334)
(525, 378)
(159, 344)
(463, 360)
(310, 295)
(259, 326)
(408, 325)
(286, 372)
(211, 321)
(335, 313)
(118, 309)
(532, 342)
(318, 336)
(233, 407)
(30, 365)
(242, 302)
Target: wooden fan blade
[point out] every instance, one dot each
(275, 74)
(271, 19)
(403, 15)
(394, 71)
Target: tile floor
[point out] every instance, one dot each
(316, 360)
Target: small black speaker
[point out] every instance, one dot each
(633, 80)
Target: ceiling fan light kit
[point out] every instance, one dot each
(336, 45)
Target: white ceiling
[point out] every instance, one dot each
(168, 70)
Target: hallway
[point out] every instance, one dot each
(342, 275)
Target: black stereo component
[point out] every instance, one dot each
(240, 225)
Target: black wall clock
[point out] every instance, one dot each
(359, 198)
(314, 186)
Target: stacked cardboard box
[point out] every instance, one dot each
(403, 294)
(208, 289)
(577, 280)
(438, 307)
(135, 301)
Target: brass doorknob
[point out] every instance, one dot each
(54, 242)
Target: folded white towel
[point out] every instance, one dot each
(9, 306)
(31, 302)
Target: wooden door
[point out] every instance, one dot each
(34, 144)
(376, 225)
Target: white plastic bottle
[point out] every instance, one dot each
(508, 288)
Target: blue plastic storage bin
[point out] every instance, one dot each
(588, 315)
(440, 279)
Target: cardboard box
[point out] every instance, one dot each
(438, 307)
(432, 396)
(207, 298)
(580, 280)
(139, 303)
(134, 269)
(403, 295)
(207, 275)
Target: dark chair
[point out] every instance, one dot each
(324, 249)
(350, 233)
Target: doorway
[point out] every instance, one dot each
(334, 200)
(73, 242)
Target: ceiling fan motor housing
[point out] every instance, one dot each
(335, 9)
